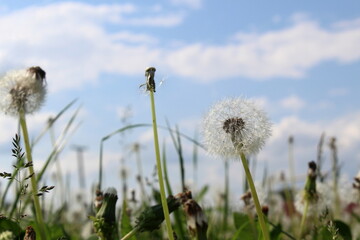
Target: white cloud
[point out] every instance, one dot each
(293, 103)
(283, 53)
(72, 43)
(9, 125)
(134, 38)
(188, 3)
(163, 21)
(307, 134)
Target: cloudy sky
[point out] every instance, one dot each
(299, 61)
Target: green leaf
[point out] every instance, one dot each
(344, 229)
(245, 229)
(201, 194)
(125, 224)
(8, 225)
(275, 233)
(93, 237)
(323, 234)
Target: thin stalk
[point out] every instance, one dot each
(38, 213)
(177, 217)
(159, 170)
(226, 196)
(304, 217)
(141, 176)
(291, 163)
(260, 214)
(130, 234)
(58, 166)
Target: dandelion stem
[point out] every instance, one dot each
(159, 170)
(130, 234)
(226, 196)
(259, 212)
(38, 212)
(304, 217)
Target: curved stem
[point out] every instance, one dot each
(130, 234)
(159, 170)
(38, 212)
(259, 212)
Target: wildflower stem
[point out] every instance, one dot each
(130, 234)
(259, 212)
(226, 196)
(159, 170)
(38, 212)
(304, 217)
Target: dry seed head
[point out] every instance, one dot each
(196, 219)
(98, 199)
(235, 125)
(30, 233)
(150, 78)
(22, 90)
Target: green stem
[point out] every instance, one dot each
(303, 217)
(39, 218)
(259, 212)
(226, 196)
(130, 234)
(159, 170)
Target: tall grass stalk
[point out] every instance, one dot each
(38, 213)
(178, 219)
(137, 150)
(259, 212)
(291, 162)
(159, 169)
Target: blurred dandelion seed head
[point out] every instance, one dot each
(22, 89)
(7, 235)
(235, 125)
(318, 204)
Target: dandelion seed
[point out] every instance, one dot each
(22, 90)
(233, 126)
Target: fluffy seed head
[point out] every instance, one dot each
(235, 125)
(22, 90)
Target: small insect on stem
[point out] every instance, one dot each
(150, 81)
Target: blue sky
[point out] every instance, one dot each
(299, 60)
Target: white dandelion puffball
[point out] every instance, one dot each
(233, 126)
(323, 200)
(22, 90)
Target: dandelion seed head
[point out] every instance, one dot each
(318, 204)
(22, 89)
(111, 191)
(7, 235)
(235, 125)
